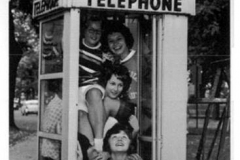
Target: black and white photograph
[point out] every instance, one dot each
(120, 80)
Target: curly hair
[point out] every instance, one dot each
(117, 128)
(120, 71)
(115, 26)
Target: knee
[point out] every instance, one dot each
(82, 115)
(94, 95)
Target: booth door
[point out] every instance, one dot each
(57, 96)
(143, 28)
(50, 78)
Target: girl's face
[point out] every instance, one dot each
(114, 87)
(117, 44)
(93, 33)
(119, 142)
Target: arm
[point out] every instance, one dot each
(133, 121)
(123, 112)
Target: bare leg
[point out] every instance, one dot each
(84, 125)
(96, 112)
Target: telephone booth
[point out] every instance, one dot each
(159, 28)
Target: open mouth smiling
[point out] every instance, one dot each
(119, 144)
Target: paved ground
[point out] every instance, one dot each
(28, 123)
(26, 149)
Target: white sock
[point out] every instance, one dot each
(98, 144)
(92, 143)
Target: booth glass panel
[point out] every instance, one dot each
(146, 76)
(51, 50)
(49, 149)
(141, 29)
(51, 106)
(146, 150)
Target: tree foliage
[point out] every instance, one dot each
(24, 31)
(208, 41)
(209, 38)
(27, 38)
(23, 41)
(209, 30)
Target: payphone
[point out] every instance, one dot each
(159, 28)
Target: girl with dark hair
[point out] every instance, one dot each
(111, 136)
(118, 143)
(119, 41)
(118, 71)
(115, 78)
(116, 81)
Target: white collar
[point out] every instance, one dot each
(129, 56)
(96, 47)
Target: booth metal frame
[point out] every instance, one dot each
(169, 73)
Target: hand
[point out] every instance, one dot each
(92, 153)
(133, 121)
(126, 109)
(105, 155)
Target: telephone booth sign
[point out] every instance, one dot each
(159, 29)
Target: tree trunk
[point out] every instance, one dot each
(15, 54)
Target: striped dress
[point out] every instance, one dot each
(90, 63)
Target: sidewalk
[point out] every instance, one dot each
(26, 150)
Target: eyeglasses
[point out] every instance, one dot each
(92, 31)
